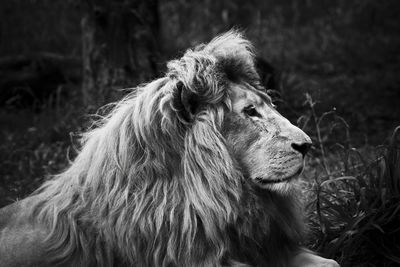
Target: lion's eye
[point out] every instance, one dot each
(251, 111)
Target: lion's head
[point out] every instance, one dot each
(192, 169)
(268, 147)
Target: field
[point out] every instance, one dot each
(338, 68)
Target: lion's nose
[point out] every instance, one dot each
(302, 147)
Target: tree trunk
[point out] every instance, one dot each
(119, 46)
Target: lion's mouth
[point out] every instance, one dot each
(281, 180)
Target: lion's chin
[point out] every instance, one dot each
(279, 184)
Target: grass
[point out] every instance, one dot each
(353, 195)
(37, 144)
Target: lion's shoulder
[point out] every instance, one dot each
(21, 236)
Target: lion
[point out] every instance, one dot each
(196, 168)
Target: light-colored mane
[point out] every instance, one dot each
(155, 184)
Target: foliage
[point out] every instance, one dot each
(36, 144)
(353, 196)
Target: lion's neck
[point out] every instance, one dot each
(270, 224)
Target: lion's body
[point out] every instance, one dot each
(176, 175)
(21, 237)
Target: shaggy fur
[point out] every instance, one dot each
(155, 184)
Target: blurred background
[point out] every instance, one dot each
(334, 66)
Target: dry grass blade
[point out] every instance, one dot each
(392, 163)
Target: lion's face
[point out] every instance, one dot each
(267, 146)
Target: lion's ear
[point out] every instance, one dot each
(184, 102)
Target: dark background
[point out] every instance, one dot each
(336, 67)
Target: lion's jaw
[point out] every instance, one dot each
(264, 142)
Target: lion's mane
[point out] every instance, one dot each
(155, 184)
